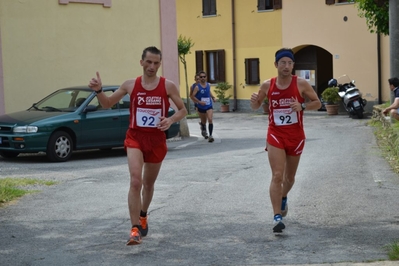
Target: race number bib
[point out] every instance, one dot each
(285, 117)
(148, 117)
(206, 100)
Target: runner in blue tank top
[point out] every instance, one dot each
(202, 96)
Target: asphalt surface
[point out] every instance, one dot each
(211, 204)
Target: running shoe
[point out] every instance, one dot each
(203, 131)
(143, 226)
(211, 139)
(278, 224)
(135, 237)
(284, 208)
(204, 134)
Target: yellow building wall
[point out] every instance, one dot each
(296, 25)
(46, 46)
(258, 35)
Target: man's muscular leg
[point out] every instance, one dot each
(277, 161)
(151, 171)
(135, 162)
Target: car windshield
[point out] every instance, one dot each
(65, 100)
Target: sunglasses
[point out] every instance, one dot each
(202, 77)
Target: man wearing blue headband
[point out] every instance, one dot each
(285, 135)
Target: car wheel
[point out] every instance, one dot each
(8, 154)
(59, 147)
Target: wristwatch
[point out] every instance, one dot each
(303, 105)
(99, 91)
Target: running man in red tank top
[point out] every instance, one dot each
(285, 135)
(145, 141)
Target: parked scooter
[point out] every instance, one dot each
(350, 95)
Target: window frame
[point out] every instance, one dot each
(208, 8)
(250, 79)
(215, 67)
(105, 3)
(273, 5)
(339, 2)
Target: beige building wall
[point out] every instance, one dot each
(46, 45)
(353, 47)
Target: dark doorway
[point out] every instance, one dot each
(314, 64)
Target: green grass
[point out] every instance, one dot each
(191, 116)
(388, 140)
(13, 188)
(393, 250)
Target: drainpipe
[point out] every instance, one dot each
(233, 28)
(379, 68)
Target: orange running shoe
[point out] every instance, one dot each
(143, 225)
(135, 237)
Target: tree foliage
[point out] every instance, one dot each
(184, 45)
(376, 13)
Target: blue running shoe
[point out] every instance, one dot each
(278, 224)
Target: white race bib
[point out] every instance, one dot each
(285, 117)
(207, 100)
(146, 117)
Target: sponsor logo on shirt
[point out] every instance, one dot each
(148, 111)
(285, 102)
(153, 100)
(140, 100)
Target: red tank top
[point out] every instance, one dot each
(147, 107)
(282, 120)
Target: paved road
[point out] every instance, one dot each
(211, 205)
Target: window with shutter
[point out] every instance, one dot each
(332, 2)
(208, 7)
(277, 4)
(269, 4)
(252, 71)
(265, 5)
(199, 61)
(215, 65)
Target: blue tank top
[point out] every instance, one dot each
(204, 95)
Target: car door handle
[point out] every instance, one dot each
(115, 118)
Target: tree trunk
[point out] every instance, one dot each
(184, 131)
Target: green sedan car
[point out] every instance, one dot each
(68, 119)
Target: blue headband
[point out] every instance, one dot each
(284, 54)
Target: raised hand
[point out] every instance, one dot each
(95, 83)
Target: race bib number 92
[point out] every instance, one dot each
(146, 117)
(285, 117)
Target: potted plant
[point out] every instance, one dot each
(331, 98)
(220, 91)
(265, 106)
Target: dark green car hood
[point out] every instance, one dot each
(26, 117)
